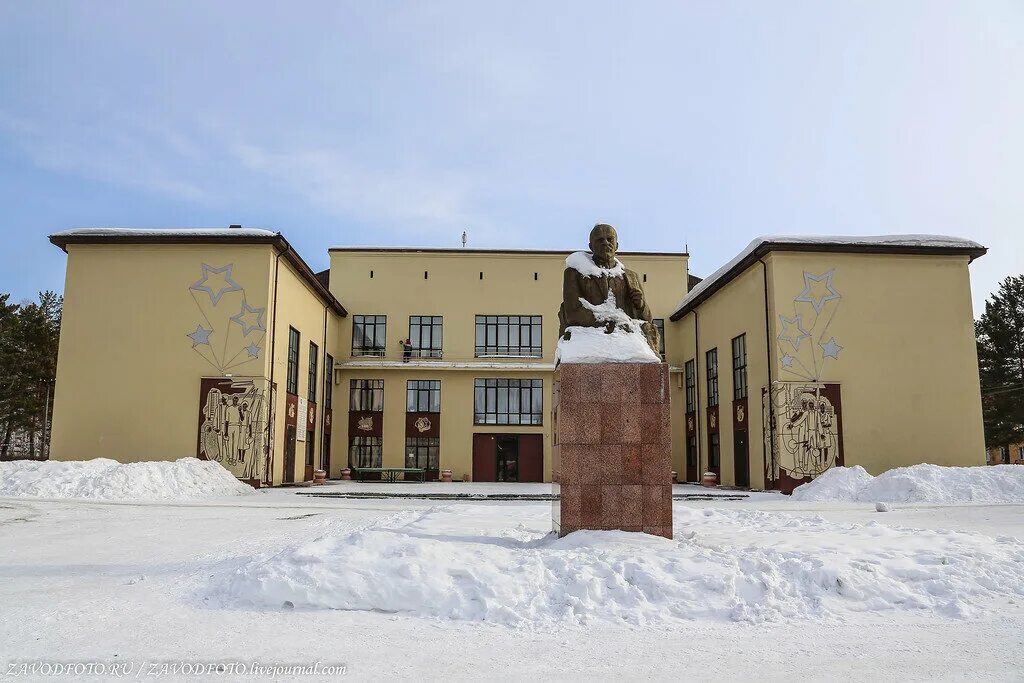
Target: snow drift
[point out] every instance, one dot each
(918, 484)
(105, 479)
(446, 563)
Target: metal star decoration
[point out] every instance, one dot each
(252, 350)
(817, 302)
(249, 318)
(200, 336)
(830, 349)
(220, 286)
(793, 336)
(787, 360)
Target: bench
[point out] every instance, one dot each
(390, 474)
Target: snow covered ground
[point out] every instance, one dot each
(764, 588)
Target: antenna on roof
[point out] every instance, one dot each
(463, 239)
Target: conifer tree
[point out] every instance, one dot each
(1000, 334)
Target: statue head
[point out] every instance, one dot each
(604, 242)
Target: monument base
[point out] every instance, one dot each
(612, 450)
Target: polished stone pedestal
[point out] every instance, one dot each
(612, 451)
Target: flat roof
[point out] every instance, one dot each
(851, 244)
(461, 250)
(232, 235)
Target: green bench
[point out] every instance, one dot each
(390, 474)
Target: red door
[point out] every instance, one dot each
(485, 457)
(531, 457)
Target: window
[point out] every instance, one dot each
(690, 373)
(1006, 454)
(425, 335)
(423, 396)
(422, 452)
(508, 335)
(292, 381)
(712, 370)
(739, 367)
(508, 401)
(314, 356)
(691, 450)
(660, 324)
(365, 451)
(369, 335)
(328, 381)
(366, 395)
(713, 451)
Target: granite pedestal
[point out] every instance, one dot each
(612, 451)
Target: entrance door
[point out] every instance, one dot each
(691, 458)
(508, 457)
(741, 458)
(289, 454)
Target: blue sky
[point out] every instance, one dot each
(700, 124)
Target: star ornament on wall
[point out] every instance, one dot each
(830, 349)
(252, 350)
(249, 318)
(216, 282)
(807, 296)
(200, 336)
(793, 330)
(787, 360)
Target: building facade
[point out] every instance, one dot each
(223, 344)
(1006, 455)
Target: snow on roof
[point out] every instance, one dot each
(839, 242)
(166, 232)
(583, 263)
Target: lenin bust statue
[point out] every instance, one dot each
(600, 292)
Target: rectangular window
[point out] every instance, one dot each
(423, 396)
(314, 356)
(508, 401)
(1006, 455)
(508, 335)
(660, 324)
(366, 395)
(712, 370)
(292, 380)
(690, 372)
(328, 381)
(369, 335)
(425, 335)
(713, 451)
(739, 367)
(422, 452)
(365, 451)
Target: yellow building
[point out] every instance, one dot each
(223, 344)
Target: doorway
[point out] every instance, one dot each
(289, 454)
(741, 458)
(508, 457)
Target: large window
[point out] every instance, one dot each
(508, 402)
(365, 451)
(423, 396)
(422, 452)
(508, 335)
(739, 367)
(425, 335)
(328, 381)
(660, 324)
(366, 395)
(369, 335)
(712, 370)
(314, 356)
(292, 380)
(690, 373)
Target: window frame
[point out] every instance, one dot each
(486, 394)
(739, 367)
(426, 447)
(711, 375)
(489, 330)
(434, 328)
(417, 389)
(328, 381)
(378, 349)
(690, 383)
(360, 445)
(370, 391)
(292, 375)
(311, 379)
(660, 324)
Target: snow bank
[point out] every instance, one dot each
(918, 484)
(626, 343)
(722, 565)
(104, 479)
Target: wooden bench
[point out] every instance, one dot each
(390, 474)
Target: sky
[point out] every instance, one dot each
(695, 125)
